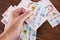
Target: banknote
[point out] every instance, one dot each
(28, 33)
(53, 15)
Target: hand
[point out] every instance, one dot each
(16, 21)
(18, 17)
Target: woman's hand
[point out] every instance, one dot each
(18, 17)
(16, 21)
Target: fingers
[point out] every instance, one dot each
(18, 11)
(22, 14)
(26, 15)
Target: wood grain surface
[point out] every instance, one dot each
(45, 32)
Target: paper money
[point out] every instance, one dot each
(28, 33)
(53, 15)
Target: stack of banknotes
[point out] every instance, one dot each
(42, 11)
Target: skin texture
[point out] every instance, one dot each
(16, 21)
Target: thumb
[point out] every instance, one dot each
(26, 15)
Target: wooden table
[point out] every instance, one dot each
(45, 32)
